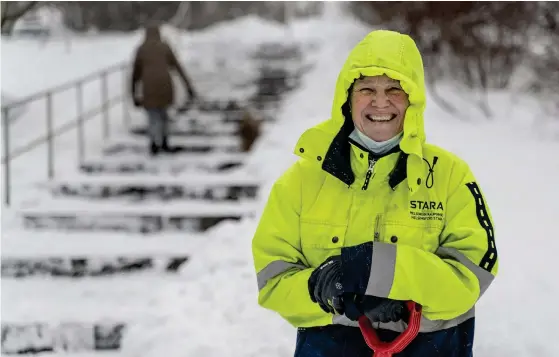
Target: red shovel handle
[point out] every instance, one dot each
(387, 349)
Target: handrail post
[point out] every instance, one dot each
(79, 108)
(50, 143)
(7, 176)
(105, 104)
(125, 114)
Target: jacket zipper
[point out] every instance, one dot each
(377, 227)
(372, 163)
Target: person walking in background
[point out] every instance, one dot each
(153, 63)
(371, 216)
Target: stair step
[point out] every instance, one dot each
(186, 209)
(229, 118)
(179, 145)
(221, 106)
(34, 254)
(218, 162)
(215, 187)
(200, 129)
(69, 215)
(198, 144)
(193, 140)
(23, 243)
(78, 266)
(71, 337)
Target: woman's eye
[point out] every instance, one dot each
(366, 90)
(395, 90)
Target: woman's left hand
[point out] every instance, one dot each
(375, 308)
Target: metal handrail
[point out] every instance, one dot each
(103, 108)
(68, 85)
(82, 117)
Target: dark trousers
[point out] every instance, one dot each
(345, 341)
(158, 128)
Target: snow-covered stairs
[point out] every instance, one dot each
(145, 218)
(197, 185)
(139, 202)
(126, 190)
(94, 277)
(146, 203)
(193, 144)
(200, 127)
(72, 255)
(89, 265)
(123, 164)
(205, 186)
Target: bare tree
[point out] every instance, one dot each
(545, 58)
(479, 44)
(131, 15)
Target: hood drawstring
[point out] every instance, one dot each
(430, 177)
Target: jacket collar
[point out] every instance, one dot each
(335, 158)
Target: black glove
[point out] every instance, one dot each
(352, 306)
(382, 310)
(325, 286)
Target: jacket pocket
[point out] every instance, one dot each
(419, 234)
(320, 240)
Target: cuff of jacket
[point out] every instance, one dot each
(368, 268)
(356, 267)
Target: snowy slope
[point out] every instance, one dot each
(211, 308)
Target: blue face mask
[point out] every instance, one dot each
(376, 147)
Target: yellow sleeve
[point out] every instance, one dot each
(282, 270)
(448, 282)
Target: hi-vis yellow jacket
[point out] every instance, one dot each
(431, 235)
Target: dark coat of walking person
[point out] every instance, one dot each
(153, 65)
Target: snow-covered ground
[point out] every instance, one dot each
(211, 309)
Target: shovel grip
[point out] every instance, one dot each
(387, 349)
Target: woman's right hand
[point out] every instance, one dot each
(325, 287)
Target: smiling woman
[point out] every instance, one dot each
(372, 216)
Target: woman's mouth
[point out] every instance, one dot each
(380, 118)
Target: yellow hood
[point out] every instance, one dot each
(396, 55)
(380, 52)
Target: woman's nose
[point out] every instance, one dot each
(380, 100)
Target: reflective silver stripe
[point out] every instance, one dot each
(484, 277)
(383, 266)
(426, 324)
(274, 269)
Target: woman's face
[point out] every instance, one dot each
(378, 107)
